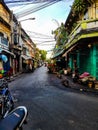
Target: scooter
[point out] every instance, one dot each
(15, 119)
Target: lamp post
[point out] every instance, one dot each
(56, 22)
(27, 19)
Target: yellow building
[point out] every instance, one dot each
(81, 44)
(81, 48)
(5, 20)
(5, 32)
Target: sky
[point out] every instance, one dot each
(46, 20)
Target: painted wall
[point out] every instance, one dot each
(6, 16)
(87, 60)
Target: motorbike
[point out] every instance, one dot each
(6, 99)
(15, 119)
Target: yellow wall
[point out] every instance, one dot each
(93, 10)
(5, 30)
(30, 49)
(6, 16)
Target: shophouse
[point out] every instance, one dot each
(5, 32)
(28, 52)
(81, 46)
(16, 44)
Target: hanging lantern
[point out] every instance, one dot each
(89, 45)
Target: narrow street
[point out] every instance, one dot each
(51, 106)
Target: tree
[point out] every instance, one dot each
(43, 54)
(80, 6)
(60, 34)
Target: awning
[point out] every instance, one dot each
(58, 53)
(26, 57)
(12, 54)
(68, 51)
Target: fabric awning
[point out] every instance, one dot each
(26, 57)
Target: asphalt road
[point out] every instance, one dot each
(51, 106)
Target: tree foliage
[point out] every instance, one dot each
(80, 5)
(60, 34)
(43, 54)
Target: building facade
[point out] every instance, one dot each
(81, 46)
(14, 41)
(28, 52)
(5, 34)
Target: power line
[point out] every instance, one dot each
(30, 10)
(16, 3)
(45, 41)
(35, 37)
(40, 34)
(38, 42)
(45, 44)
(41, 38)
(24, 1)
(45, 3)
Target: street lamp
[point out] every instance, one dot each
(27, 19)
(56, 22)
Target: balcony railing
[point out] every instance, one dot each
(86, 25)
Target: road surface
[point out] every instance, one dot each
(51, 106)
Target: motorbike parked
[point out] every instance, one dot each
(15, 119)
(6, 99)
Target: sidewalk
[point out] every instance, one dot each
(77, 86)
(12, 78)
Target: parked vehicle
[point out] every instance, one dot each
(15, 119)
(6, 99)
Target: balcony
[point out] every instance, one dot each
(7, 24)
(4, 43)
(85, 29)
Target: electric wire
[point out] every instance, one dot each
(42, 4)
(24, 1)
(39, 34)
(32, 10)
(43, 38)
(45, 4)
(44, 41)
(23, 12)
